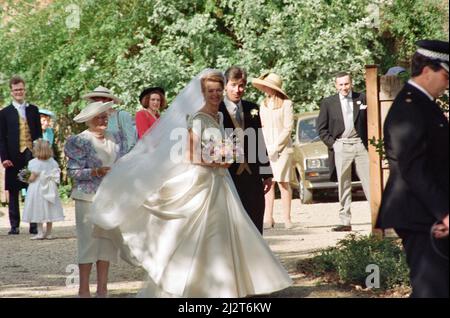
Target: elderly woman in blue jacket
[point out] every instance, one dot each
(90, 156)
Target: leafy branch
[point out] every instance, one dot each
(442, 101)
(379, 147)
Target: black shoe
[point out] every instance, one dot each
(13, 231)
(342, 228)
(33, 228)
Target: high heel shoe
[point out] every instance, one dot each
(269, 225)
(288, 225)
(37, 237)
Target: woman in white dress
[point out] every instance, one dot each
(180, 216)
(42, 203)
(277, 120)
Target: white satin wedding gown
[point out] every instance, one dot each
(195, 239)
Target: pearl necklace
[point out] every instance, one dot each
(97, 135)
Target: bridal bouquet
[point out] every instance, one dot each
(24, 175)
(225, 151)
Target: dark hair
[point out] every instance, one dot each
(235, 73)
(342, 74)
(146, 99)
(16, 79)
(419, 61)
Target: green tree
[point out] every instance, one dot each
(68, 47)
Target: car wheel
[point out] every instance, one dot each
(306, 195)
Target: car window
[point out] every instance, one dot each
(307, 130)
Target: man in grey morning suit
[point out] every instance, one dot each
(342, 126)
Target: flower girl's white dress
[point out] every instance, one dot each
(42, 203)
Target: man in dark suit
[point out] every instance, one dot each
(253, 178)
(20, 125)
(415, 200)
(342, 126)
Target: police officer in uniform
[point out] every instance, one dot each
(415, 201)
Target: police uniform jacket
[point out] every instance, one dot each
(416, 141)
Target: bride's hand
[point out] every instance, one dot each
(224, 165)
(218, 165)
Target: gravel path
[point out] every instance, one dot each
(42, 268)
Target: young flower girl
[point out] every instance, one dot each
(42, 203)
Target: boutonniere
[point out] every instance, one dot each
(361, 105)
(254, 112)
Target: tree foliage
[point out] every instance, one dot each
(127, 45)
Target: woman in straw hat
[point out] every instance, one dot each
(90, 155)
(119, 119)
(277, 121)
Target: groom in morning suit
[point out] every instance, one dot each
(342, 126)
(252, 178)
(20, 125)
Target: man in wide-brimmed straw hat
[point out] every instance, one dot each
(119, 120)
(342, 126)
(415, 202)
(253, 178)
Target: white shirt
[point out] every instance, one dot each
(20, 108)
(420, 88)
(347, 114)
(233, 109)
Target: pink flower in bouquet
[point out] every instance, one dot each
(211, 151)
(224, 151)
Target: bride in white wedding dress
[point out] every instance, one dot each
(182, 220)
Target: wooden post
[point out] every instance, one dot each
(374, 129)
(389, 86)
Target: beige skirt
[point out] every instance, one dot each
(91, 249)
(282, 168)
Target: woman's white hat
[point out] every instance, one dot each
(270, 80)
(102, 92)
(92, 110)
